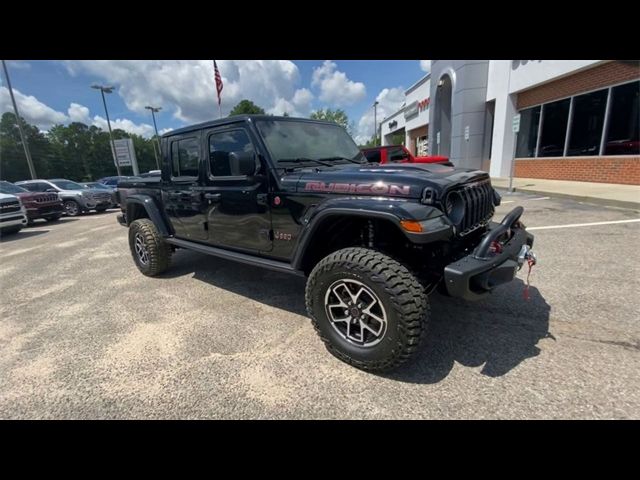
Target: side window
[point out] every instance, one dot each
(221, 144)
(396, 154)
(36, 187)
(373, 156)
(185, 157)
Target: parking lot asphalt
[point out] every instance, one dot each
(84, 335)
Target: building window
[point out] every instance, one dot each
(622, 136)
(555, 116)
(528, 136)
(586, 123)
(590, 116)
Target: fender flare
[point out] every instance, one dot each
(390, 211)
(154, 213)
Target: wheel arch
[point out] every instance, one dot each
(319, 238)
(143, 206)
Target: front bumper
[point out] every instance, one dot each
(12, 220)
(477, 274)
(40, 211)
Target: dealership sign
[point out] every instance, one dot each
(416, 107)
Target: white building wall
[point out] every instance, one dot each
(506, 78)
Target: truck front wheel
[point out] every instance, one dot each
(367, 308)
(149, 250)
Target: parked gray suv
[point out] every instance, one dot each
(76, 198)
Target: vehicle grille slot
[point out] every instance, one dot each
(478, 206)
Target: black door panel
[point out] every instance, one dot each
(236, 211)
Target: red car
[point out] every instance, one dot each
(399, 154)
(45, 205)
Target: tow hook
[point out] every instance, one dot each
(526, 255)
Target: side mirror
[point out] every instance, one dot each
(243, 164)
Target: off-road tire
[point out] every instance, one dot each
(159, 251)
(403, 297)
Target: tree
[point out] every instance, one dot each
(246, 107)
(13, 163)
(337, 116)
(75, 151)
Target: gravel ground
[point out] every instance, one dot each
(84, 335)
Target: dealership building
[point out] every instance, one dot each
(560, 119)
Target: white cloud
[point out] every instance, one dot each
(19, 65)
(187, 87)
(125, 124)
(32, 109)
(335, 88)
(79, 113)
(389, 101)
(425, 65)
(44, 117)
(298, 106)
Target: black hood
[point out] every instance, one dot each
(402, 180)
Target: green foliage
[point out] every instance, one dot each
(370, 143)
(338, 116)
(246, 107)
(75, 151)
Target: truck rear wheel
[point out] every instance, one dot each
(367, 308)
(150, 252)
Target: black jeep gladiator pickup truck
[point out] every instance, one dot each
(297, 195)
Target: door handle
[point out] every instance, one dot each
(214, 197)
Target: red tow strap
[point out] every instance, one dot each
(531, 262)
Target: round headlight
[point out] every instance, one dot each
(455, 207)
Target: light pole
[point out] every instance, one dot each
(27, 153)
(104, 90)
(154, 110)
(375, 123)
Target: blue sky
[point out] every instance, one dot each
(50, 92)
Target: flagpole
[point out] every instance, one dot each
(219, 110)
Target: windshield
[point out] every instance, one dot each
(97, 185)
(6, 187)
(67, 185)
(290, 140)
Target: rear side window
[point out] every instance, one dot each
(36, 187)
(185, 157)
(396, 154)
(373, 156)
(221, 144)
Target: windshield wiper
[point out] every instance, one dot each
(343, 158)
(303, 160)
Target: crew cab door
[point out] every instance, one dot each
(180, 193)
(237, 210)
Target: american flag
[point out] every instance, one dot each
(218, 80)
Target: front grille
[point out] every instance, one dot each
(46, 198)
(101, 197)
(9, 207)
(476, 204)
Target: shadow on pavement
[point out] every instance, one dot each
(21, 235)
(498, 332)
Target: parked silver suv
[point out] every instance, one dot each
(76, 198)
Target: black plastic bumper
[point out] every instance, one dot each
(477, 274)
(121, 219)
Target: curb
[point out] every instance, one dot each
(580, 198)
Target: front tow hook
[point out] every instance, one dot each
(526, 255)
